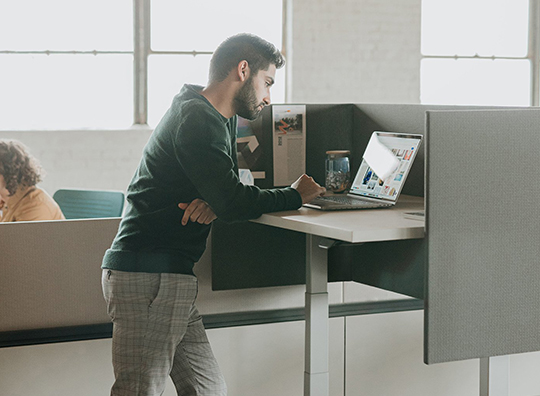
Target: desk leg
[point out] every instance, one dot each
(494, 376)
(316, 347)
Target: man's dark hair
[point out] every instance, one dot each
(259, 54)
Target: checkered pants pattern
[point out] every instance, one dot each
(157, 332)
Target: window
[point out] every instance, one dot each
(182, 45)
(476, 52)
(66, 64)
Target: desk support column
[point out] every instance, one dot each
(316, 348)
(494, 376)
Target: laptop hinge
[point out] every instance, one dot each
(380, 201)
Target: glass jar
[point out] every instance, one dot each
(338, 170)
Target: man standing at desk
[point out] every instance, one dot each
(148, 279)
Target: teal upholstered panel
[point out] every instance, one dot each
(85, 204)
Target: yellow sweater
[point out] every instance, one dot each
(30, 204)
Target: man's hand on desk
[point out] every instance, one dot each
(308, 188)
(197, 211)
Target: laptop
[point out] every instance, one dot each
(368, 190)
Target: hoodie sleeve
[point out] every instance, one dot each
(204, 149)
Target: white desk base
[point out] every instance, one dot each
(316, 377)
(322, 229)
(494, 376)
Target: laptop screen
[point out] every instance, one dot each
(368, 184)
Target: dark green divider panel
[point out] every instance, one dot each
(397, 266)
(328, 127)
(247, 255)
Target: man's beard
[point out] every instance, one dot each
(246, 101)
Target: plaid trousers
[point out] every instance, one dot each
(157, 332)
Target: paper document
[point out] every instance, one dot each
(380, 158)
(289, 131)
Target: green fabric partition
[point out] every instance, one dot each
(86, 204)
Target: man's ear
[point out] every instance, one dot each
(243, 70)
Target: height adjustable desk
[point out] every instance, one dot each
(323, 230)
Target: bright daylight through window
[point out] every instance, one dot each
(475, 52)
(69, 65)
(60, 88)
(169, 66)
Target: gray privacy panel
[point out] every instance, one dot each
(483, 234)
(51, 275)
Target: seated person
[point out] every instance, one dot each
(20, 198)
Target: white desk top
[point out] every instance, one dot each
(353, 226)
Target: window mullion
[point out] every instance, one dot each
(141, 36)
(534, 50)
(287, 47)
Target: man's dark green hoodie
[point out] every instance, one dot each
(191, 154)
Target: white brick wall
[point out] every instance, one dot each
(356, 51)
(85, 158)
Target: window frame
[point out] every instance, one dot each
(142, 51)
(533, 53)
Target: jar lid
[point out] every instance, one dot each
(340, 153)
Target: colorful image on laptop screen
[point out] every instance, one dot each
(368, 184)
